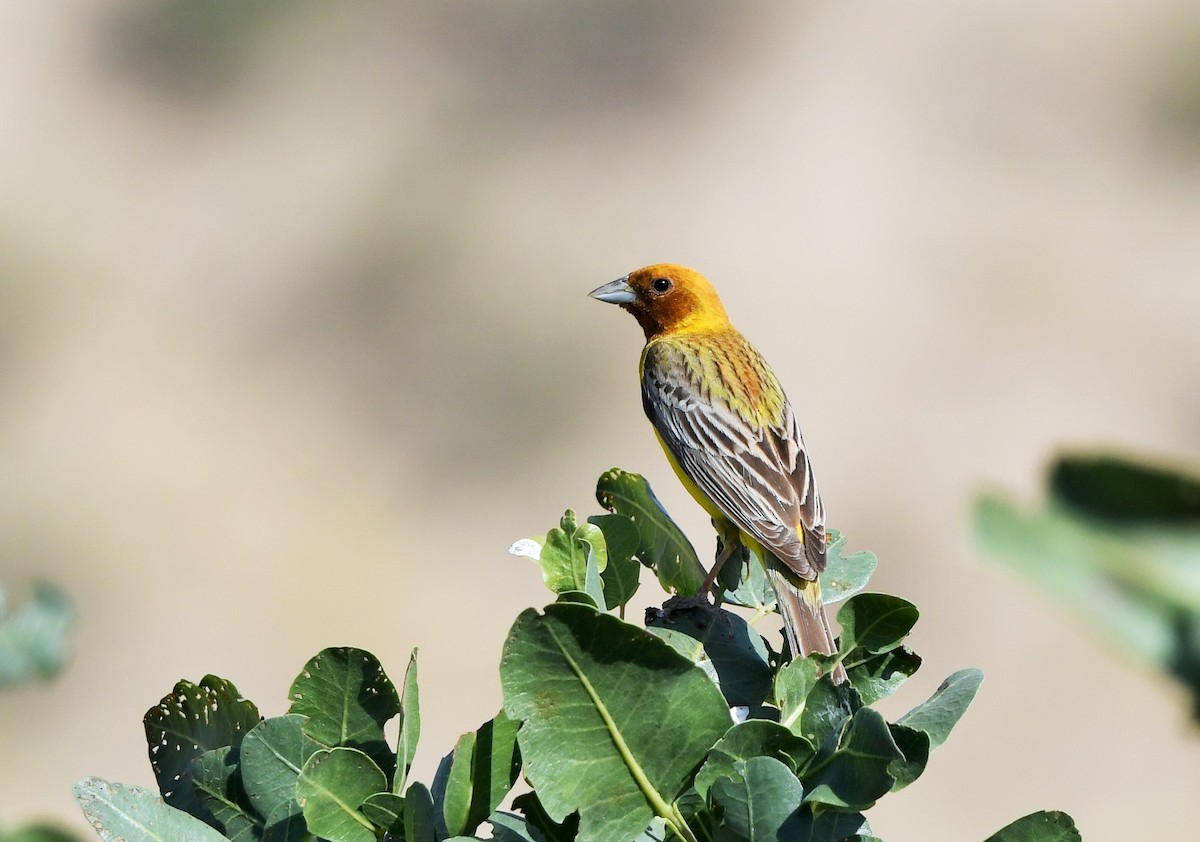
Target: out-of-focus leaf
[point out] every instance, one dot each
(34, 638)
(190, 720)
(726, 643)
(347, 698)
(1124, 491)
(1046, 826)
(38, 833)
(124, 813)
(663, 545)
(614, 722)
(844, 575)
(621, 575)
(333, 784)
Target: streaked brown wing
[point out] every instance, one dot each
(759, 476)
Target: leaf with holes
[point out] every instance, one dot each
(614, 722)
(190, 720)
(124, 813)
(347, 698)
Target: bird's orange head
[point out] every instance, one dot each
(667, 299)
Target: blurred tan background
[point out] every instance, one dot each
(294, 338)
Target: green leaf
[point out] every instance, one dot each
(1046, 826)
(37, 833)
(34, 638)
(1124, 491)
(219, 787)
(386, 810)
(844, 576)
(614, 722)
(793, 683)
(938, 714)
(572, 557)
(760, 804)
(272, 755)
(452, 787)
(856, 774)
(537, 817)
(507, 827)
(124, 813)
(744, 582)
(347, 698)
(831, 825)
(752, 738)
(286, 824)
(332, 786)
(826, 711)
(190, 720)
(410, 725)
(420, 824)
(623, 570)
(474, 779)
(875, 622)
(878, 676)
(914, 745)
(723, 642)
(663, 545)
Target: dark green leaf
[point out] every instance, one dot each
(825, 712)
(830, 826)
(480, 772)
(507, 827)
(420, 824)
(286, 824)
(332, 786)
(752, 738)
(614, 722)
(452, 788)
(386, 810)
(410, 725)
(190, 720)
(219, 787)
(914, 745)
(37, 833)
(761, 803)
(1127, 492)
(621, 575)
(272, 755)
(735, 652)
(347, 698)
(937, 715)
(34, 638)
(537, 817)
(875, 622)
(744, 582)
(856, 774)
(1046, 826)
(133, 814)
(844, 575)
(878, 676)
(662, 546)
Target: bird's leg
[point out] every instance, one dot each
(728, 543)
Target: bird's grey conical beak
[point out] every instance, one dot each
(617, 292)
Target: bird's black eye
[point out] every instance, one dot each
(660, 285)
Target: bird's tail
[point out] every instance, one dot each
(804, 621)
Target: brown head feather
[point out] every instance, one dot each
(674, 299)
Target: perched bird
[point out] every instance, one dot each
(731, 436)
